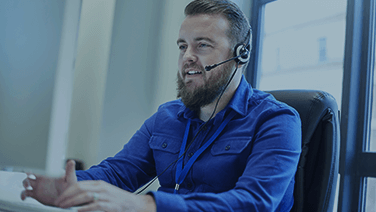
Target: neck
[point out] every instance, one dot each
(206, 111)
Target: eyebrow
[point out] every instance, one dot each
(180, 40)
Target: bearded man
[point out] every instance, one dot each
(222, 146)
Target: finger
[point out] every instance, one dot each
(27, 193)
(70, 171)
(80, 199)
(28, 183)
(23, 195)
(31, 175)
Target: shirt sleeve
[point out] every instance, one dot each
(268, 175)
(130, 168)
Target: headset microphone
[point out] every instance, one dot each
(208, 68)
(241, 57)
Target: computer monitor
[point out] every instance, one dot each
(37, 57)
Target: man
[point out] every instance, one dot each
(217, 148)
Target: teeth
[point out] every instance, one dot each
(193, 72)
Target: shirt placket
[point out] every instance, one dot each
(197, 143)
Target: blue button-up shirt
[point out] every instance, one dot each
(249, 167)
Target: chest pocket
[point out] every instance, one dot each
(165, 144)
(230, 147)
(165, 151)
(227, 159)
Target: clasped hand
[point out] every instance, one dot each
(66, 192)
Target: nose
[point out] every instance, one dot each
(189, 56)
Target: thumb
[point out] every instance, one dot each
(70, 172)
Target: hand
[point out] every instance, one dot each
(47, 189)
(99, 195)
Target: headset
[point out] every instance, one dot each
(241, 53)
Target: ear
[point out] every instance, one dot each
(242, 53)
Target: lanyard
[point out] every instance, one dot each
(182, 173)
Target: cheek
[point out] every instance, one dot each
(180, 62)
(213, 74)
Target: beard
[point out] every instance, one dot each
(205, 94)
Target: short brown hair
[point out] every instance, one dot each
(239, 25)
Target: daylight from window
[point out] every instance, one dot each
(303, 46)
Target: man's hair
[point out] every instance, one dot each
(239, 25)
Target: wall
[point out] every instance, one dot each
(112, 101)
(93, 48)
(130, 85)
(29, 50)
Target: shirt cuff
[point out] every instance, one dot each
(168, 202)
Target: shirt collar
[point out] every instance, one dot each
(239, 102)
(186, 112)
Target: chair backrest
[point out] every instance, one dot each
(317, 174)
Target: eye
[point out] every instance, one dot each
(182, 47)
(203, 45)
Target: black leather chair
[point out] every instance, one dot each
(317, 173)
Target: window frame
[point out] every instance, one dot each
(257, 24)
(356, 164)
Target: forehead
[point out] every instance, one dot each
(211, 26)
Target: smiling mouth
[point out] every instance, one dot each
(193, 72)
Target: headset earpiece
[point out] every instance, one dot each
(242, 53)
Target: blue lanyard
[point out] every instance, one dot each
(182, 173)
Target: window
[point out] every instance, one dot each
(372, 143)
(322, 49)
(370, 146)
(306, 48)
(334, 39)
(371, 194)
(278, 59)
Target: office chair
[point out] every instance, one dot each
(317, 173)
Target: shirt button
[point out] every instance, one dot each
(191, 154)
(189, 185)
(205, 128)
(164, 145)
(227, 147)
